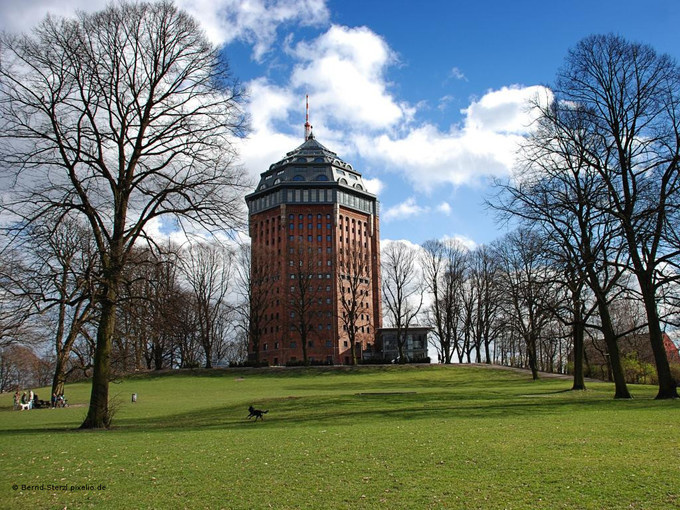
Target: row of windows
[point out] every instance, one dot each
(309, 216)
(310, 238)
(355, 224)
(293, 345)
(291, 263)
(311, 196)
(291, 226)
(320, 276)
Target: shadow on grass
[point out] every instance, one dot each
(349, 409)
(480, 394)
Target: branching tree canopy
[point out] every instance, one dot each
(628, 99)
(121, 117)
(402, 290)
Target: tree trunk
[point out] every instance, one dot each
(98, 415)
(531, 353)
(621, 389)
(59, 375)
(578, 333)
(487, 353)
(667, 385)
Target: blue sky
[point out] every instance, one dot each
(427, 99)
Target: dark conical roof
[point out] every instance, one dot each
(311, 165)
(311, 147)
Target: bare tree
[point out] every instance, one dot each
(149, 310)
(483, 273)
(62, 280)
(524, 279)
(255, 277)
(444, 264)
(120, 117)
(208, 269)
(556, 190)
(353, 290)
(17, 307)
(629, 99)
(304, 284)
(401, 289)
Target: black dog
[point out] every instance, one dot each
(256, 413)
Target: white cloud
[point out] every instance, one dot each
(21, 16)
(374, 186)
(404, 210)
(462, 240)
(507, 110)
(444, 207)
(343, 70)
(252, 21)
(485, 146)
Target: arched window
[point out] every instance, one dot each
(321, 177)
(359, 186)
(298, 178)
(342, 181)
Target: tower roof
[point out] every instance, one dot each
(311, 167)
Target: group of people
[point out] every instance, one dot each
(30, 400)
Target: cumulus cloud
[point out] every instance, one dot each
(507, 110)
(462, 240)
(267, 105)
(344, 70)
(374, 186)
(485, 146)
(255, 22)
(404, 210)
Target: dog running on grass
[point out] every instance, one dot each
(256, 413)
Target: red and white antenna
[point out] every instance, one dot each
(308, 126)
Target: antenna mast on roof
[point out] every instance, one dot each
(308, 126)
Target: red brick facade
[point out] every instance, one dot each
(306, 224)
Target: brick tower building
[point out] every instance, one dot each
(315, 260)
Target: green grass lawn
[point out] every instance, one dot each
(370, 437)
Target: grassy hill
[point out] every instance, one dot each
(367, 437)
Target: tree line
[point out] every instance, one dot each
(179, 307)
